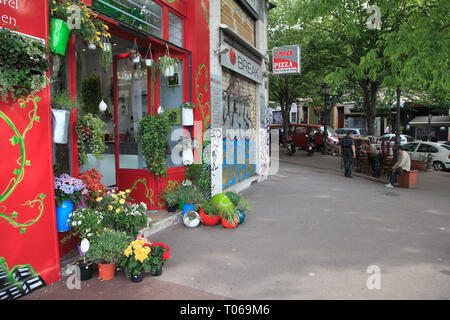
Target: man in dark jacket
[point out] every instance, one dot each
(348, 153)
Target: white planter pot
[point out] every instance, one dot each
(137, 59)
(187, 116)
(60, 126)
(92, 46)
(149, 62)
(107, 47)
(191, 223)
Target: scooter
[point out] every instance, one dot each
(311, 146)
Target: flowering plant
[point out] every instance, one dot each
(68, 188)
(91, 28)
(85, 223)
(137, 256)
(160, 252)
(120, 214)
(91, 179)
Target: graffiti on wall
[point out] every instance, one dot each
(238, 146)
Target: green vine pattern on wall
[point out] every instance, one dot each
(19, 139)
(149, 193)
(201, 97)
(206, 12)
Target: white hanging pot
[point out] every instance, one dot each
(191, 219)
(92, 46)
(149, 62)
(102, 106)
(60, 126)
(137, 59)
(107, 47)
(188, 116)
(188, 155)
(171, 71)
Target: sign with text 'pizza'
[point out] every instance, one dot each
(286, 60)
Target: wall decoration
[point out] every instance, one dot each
(174, 116)
(149, 192)
(19, 281)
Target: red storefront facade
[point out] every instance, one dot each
(27, 203)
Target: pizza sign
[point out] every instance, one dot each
(286, 60)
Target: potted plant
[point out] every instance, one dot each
(153, 137)
(168, 65)
(228, 214)
(160, 253)
(68, 191)
(187, 113)
(209, 213)
(191, 219)
(190, 197)
(171, 198)
(23, 66)
(187, 147)
(106, 249)
(241, 205)
(61, 104)
(89, 130)
(137, 259)
(84, 265)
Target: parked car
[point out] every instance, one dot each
(447, 143)
(440, 153)
(404, 139)
(342, 132)
(301, 133)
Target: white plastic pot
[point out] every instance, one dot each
(188, 157)
(60, 126)
(191, 223)
(92, 46)
(148, 62)
(137, 59)
(187, 116)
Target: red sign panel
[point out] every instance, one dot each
(27, 202)
(286, 60)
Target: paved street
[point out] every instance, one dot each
(312, 235)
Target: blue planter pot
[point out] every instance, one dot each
(64, 216)
(188, 207)
(241, 215)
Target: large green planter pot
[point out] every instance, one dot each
(222, 201)
(59, 36)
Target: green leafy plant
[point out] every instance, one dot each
(91, 94)
(62, 101)
(170, 196)
(191, 195)
(229, 214)
(107, 246)
(210, 209)
(187, 105)
(166, 61)
(89, 130)
(106, 58)
(244, 206)
(153, 137)
(160, 253)
(132, 218)
(23, 65)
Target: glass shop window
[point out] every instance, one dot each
(175, 30)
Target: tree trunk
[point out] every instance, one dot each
(370, 104)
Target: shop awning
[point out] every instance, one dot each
(436, 121)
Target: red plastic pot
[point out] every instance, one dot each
(228, 225)
(207, 220)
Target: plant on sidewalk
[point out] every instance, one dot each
(160, 253)
(91, 179)
(68, 188)
(23, 65)
(210, 209)
(137, 257)
(191, 195)
(85, 223)
(107, 246)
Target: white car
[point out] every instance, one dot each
(440, 153)
(404, 139)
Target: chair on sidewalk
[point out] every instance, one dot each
(386, 165)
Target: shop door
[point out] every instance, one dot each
(130, 106)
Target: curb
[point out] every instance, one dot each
(165, 223)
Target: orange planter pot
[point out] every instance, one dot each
(107, 271)
(228, 225)
(207, 220)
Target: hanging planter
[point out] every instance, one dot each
(59, 36)
(168, 65)
(187, 113)
(106, 57)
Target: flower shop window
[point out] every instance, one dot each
(94, 82)
(175, 29)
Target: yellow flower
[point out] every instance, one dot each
(110, 207)
(122, 201)
(99, 199)
(128, 191)
(117, 210)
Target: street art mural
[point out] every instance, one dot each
(238, 130)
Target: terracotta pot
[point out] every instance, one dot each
(207, 220)
(107, 271)
(228, 225)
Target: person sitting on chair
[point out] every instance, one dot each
(402, 165)
(373, 155)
